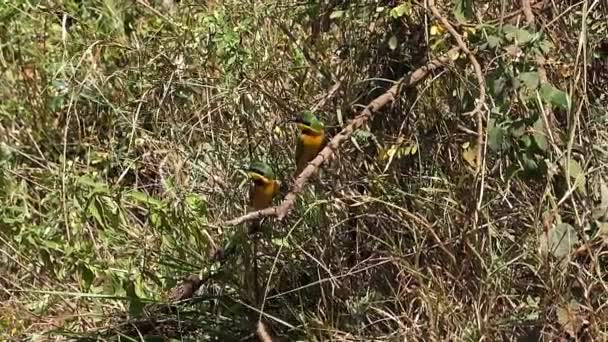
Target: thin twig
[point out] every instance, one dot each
(548, 114)
(478, 72)
(281, 210)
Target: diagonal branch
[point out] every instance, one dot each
(282, 210)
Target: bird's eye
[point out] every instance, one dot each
(258, 182)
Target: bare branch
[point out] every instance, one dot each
(326, 153)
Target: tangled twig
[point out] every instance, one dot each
(281, 210)
(480, 79)
(548, 114)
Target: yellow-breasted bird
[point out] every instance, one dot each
(310, 140)
(263, 188)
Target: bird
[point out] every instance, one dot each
(263, 188)
(311, 139)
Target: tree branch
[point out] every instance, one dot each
(281, 211)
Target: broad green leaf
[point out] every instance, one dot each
(530, 79)
(401, 10)
(529, 163)
(540, 135)
(392, 42)
(496, 137)
(463, 10)
(510, 31)
(554, 96)
(545, 46)
(494, 41)
(524, 36)
(577, 175)
(561, 239)
(95, 208)
(497, 84)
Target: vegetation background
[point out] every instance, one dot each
(124, 126)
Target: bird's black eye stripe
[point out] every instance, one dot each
(258, 182)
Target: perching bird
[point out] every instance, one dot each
(310, 140)
(263, 189)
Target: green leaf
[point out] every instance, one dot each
(493, 41)
(529, 163)
(540, 135)
(497, 84)
(87, 276)
(144, 199)
(524, 36)
(98, 187)
(496, 136)
(530, 79)
(95, 208)
(401, 10)
(561, 239)
(577, 174)
(554, 96)
(463, 10)
(336, 14)
(510, 31)
(545, 46)
(392, 43)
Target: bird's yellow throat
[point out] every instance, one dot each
(309, 131)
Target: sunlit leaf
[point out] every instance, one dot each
(336, 14)
(144, 198)
(540, 135)
(463, 10)
(554, 96)
(577, 174)
(392, 42)
(401, 10)
(530, 79)
(493, 41)
(561, 239)
(469, 154)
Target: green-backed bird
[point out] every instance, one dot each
(310, 140)
(263, 188)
